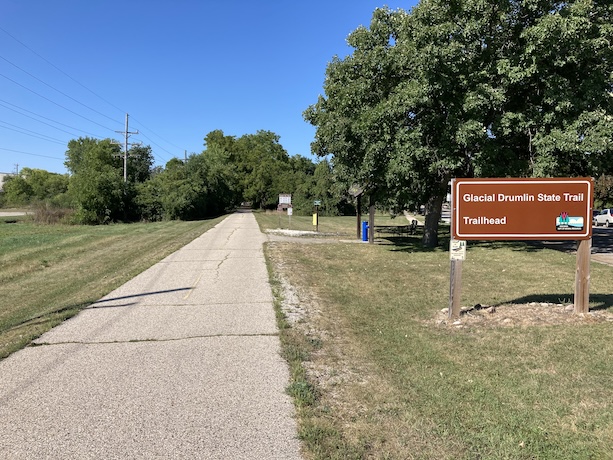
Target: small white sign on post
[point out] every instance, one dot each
(457, 249)
(290, 211)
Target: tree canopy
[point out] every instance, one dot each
(230, 170)
(488, 88)
(96, 184)
(34, 185)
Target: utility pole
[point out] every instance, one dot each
(126, 134)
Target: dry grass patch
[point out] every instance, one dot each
(520, 315)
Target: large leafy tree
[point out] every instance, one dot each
(17, 191)
(168, 195)
(260, 165)
(461, 88)
(263, 164)
(96, 182)
(556, 76)
(36, 186)
(202, 186)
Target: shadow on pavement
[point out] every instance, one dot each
(144, 294)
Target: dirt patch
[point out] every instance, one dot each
(307, 237)
(293, 309)
(328, 367)
(519, 315)
(295, 233)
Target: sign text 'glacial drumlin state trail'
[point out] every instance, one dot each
(528, 209)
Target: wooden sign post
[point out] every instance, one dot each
(457, 254)
(582, 276)
(356, 191)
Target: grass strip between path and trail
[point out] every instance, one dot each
(48, 273)
(377, 373)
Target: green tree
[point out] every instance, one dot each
(17, 191)
(96, 184)
(603, 191)
(139, 171)
(326, 189)
(222, 180)
(200, 187)
(45, 185)
(301, 184)
(173, 193)
(256, 168)
(35, 185)
(223, 157)
(97, 187)
(148, 199)
(556, 76)
(462, 88)
(262, 163)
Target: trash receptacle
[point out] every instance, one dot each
(364, 230)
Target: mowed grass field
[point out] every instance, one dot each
(378, 374)
(50, 272)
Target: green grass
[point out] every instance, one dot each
(388, 382)
(50, 272)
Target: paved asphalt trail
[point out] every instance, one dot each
(180, 362)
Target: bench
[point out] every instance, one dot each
(397, 229)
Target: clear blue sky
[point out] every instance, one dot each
(180, 69)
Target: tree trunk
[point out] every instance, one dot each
(434, 208)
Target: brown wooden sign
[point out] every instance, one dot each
(522, 209)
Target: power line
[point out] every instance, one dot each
(150, 140)
(60, 70)
(31, 154)
(91, 91)
(55, 89)
(53, 102)
(28, 132)
(167, 141)
(3, 104)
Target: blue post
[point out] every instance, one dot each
(364, 230)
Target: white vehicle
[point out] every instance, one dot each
(604, 218)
